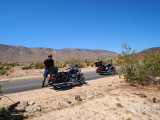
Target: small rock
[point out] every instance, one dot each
(49, 108)
(31, 109)
(144, 102)
(38, 105)
(143, 113)
(45, 110)
(119, 105)
(128, 118)
(25, 115)
(32, 102)
(137, 93)
(38, 108)
(61, 104)
(78, 97)
(20, 108)
(25, 103)
(154, 100)
(143, 95)
(136, 110)
(69, 102)
(38, 115)
(109, 85)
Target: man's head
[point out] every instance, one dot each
(50, 57)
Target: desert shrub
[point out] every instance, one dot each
(38, 65)
(128, 63)
(8, 65)
(149, 68)
(5, 67)
(59, 64)
(115, 62)
(133, 69)
(91, 62)
(26, 65)
(82, 64)
(72, 61)
(18, 63)
(152, 64)
(3, 72)
(87, 62)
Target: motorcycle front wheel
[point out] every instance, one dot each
(82, 81)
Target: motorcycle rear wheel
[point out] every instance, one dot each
(57, 86)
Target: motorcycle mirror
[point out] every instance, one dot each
(66, 68)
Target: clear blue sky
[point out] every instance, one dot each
(91, 24)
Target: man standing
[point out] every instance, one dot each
(48, 63)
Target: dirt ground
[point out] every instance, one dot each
(18, 73)
(108, 98)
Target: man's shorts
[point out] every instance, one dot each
(45, 75)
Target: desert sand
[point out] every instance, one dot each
(108, 98)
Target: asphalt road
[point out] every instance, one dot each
(21, 85)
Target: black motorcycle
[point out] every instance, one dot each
(109, 69)
(59, 79)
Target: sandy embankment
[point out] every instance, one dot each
(106, 98)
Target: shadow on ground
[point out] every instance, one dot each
(68, 87)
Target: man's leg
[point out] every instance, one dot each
(43, 82)
(44, 77)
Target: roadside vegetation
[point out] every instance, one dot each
(8, 67)
(144, 71)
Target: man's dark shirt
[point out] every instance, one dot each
(49, 63)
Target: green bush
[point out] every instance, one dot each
(38, 65)
(149, 68)
(3, 72)
(90, 62)
(8, 65)
(59, 64)
(27, 65)
(134, 69)
(73, 61)
(82, 64)
(128, 63)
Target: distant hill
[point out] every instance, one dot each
(148, 51)
(10, 53)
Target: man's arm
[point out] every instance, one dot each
(44, 65)
(53, 63)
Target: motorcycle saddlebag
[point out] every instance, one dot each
(61, 77)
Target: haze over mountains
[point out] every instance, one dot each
(10, 53)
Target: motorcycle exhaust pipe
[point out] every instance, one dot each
(62, 83)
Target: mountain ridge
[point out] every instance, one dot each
(9, 53)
